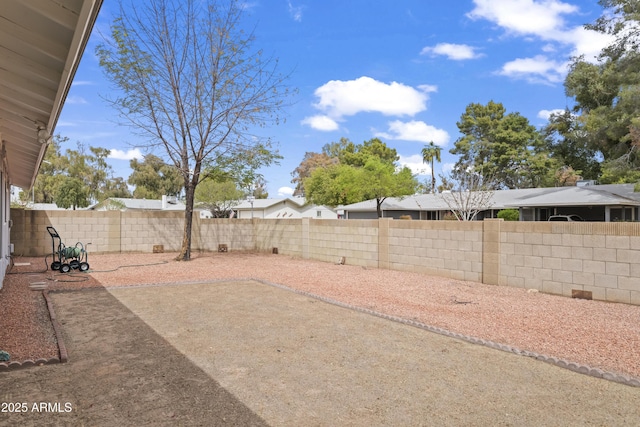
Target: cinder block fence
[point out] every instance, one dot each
(588, 260)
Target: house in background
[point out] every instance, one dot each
(609, 203)
(167, 203)
(48, 207)
(42, 43)
(262, 208)
(613, 202)
(290, 207)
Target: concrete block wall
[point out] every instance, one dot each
(561, 258)
(30, 237)
(356, 240)
(443, 248)
(143, 230)
(237, 234)
(558, 258)
(284, 234)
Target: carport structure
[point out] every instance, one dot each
(41, 44)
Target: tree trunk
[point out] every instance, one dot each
(379, 206)
(433, 178)
(185, 251)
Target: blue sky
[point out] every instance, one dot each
(402, 71)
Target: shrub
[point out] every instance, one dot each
(509, 214)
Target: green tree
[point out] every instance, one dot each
(191, 81)
(51, 174)
(310, 162)
(329, 156)
(92, 169)
(89, 166)
(503, 147)
(116, 187)
(358, 155)
(431, 153)
(568, 143)
(218, 197)
(621, 19)
(241, 167)
(625, 168)
(153, 178)
(607, 92)
(606, 98)
(380, 179)
(72, 193)
(364, 171)
(334, 149)
(335, 185)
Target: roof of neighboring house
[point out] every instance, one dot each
(315, 207)
(47, 207)
(142, 204)
(267, 203)
(575, 196)
(592, 195)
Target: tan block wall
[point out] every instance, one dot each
(100, 233)
(143, 230)
(356, 240)
(284, 234)
(556, 258)
(209, 233)
(442, 248)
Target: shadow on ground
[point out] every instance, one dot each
(120, 372)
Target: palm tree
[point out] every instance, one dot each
(430, 153)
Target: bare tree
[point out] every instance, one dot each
(471, 194)
(190, 81)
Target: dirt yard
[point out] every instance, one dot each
(221, 341)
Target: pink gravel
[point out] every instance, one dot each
(593, 333)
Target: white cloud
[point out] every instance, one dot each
(545, 114)
(538, 69)
(587, 43)
(66, 124)
(544, 20)
(84, 136)
(339, 98)
(415, 131)
(525, 17)
(456, 52)
(76, 100)
(125, 155)
(295, 11)
(416, 164)
(285, 191)
(320, 122)
(244, 5)
(81, 83)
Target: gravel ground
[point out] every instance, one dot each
(593, 333)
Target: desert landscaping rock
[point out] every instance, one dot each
(256, 339)
(247, 353)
